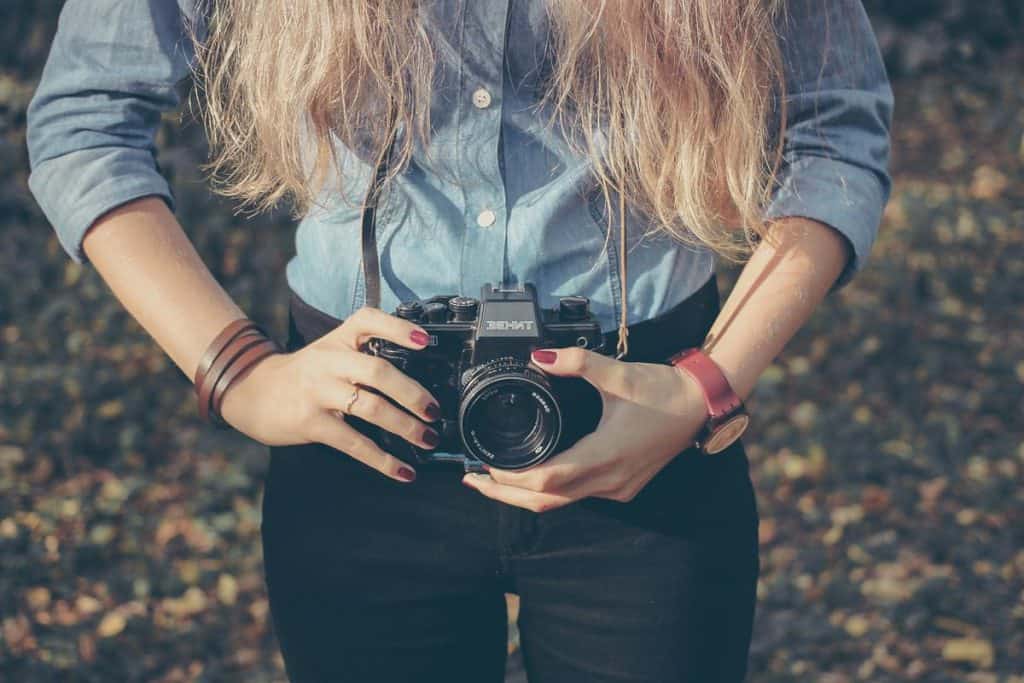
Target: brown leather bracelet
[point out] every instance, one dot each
(231, 353)
(204, 385)
(219, 343)
(237, 369)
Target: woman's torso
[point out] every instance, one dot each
(496, 196)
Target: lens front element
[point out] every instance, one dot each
(508, 416)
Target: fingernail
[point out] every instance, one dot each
(406, 474)
(545, 356)
(465, 482)
(431, 438)
(433, 412)
(419, 337)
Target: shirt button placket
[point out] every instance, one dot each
(483, 254)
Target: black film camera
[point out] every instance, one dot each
(496, 408)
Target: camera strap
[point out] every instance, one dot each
(622, 347)
(368, 236)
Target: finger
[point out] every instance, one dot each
(368, 322)
(604, 472)
(591, 452)
(577, 472)
(340, 436)
(551, 476)
(371, 371)
(378, 410)
(601, 371)
(524, 498)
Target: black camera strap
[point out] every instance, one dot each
(368, 237)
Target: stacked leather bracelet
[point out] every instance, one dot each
(239, 346)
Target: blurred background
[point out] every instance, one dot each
(888, 442)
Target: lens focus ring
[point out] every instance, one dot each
(508, 415)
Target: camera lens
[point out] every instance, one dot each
(508, 415)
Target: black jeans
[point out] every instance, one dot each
(374, 580)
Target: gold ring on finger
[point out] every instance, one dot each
(352, 400)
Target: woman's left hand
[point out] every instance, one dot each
(651, 413)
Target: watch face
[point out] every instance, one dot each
(726, 434)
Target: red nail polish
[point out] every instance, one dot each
(419, 337)
(431, 438)
(433, 412)
(406, 473)
(545, 356)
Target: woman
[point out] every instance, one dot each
(606, 149)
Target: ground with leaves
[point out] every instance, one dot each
(887, 448)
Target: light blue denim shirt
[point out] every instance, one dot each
(497, 196)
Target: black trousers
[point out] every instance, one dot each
(374, 580)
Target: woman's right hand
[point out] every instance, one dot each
(299, 397)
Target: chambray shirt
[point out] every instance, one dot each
(497, 196)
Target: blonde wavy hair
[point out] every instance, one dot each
(673, 100)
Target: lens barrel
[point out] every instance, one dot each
(508, 415)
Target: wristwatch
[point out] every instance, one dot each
(727, 416)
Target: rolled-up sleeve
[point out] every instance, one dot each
(112, 71)
(839, 111)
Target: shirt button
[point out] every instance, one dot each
(486, 218)
(481, 98)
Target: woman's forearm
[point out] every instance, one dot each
(142, 253)
(783, 282)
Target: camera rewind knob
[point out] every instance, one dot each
(409, 310)
(571, 308)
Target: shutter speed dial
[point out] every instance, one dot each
(464, 308)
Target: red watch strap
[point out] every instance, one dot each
(719, 396)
